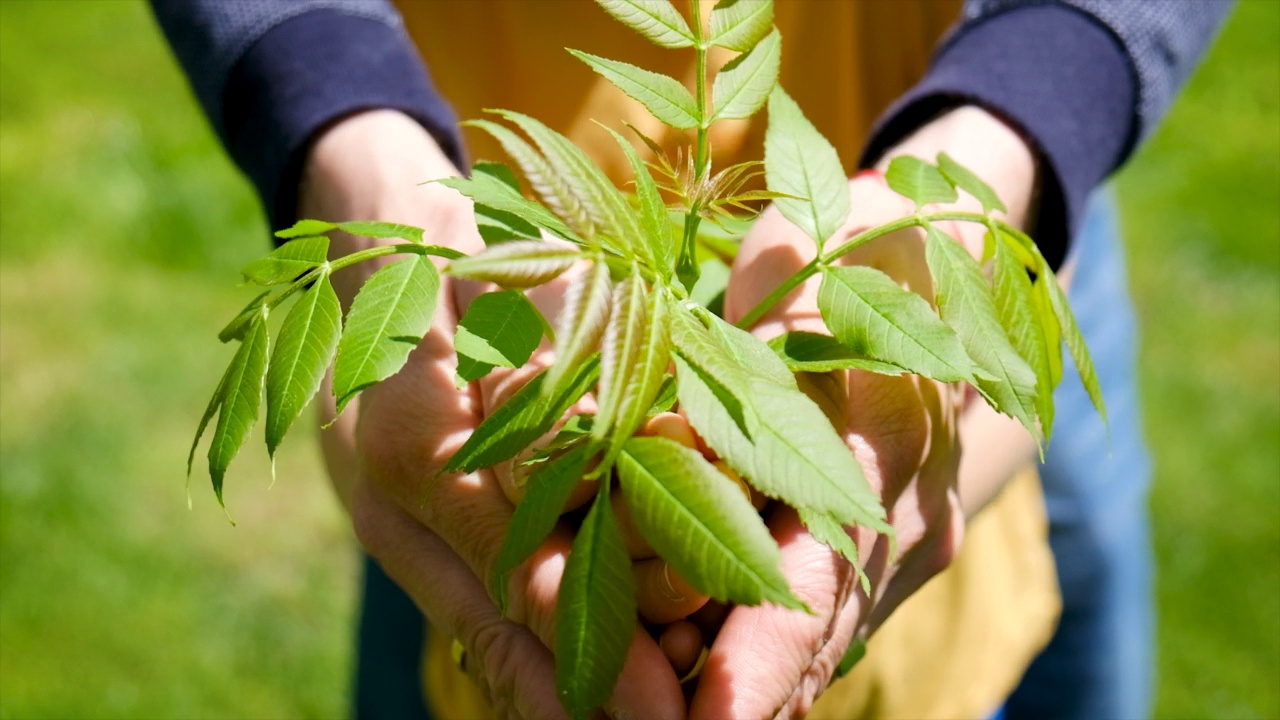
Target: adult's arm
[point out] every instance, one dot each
(1083, 81)
(271, 74)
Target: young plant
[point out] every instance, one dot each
(639, 332)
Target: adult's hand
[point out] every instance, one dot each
(439, 539)
(767, 661)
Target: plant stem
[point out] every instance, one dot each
(848, 246)
(700, 75)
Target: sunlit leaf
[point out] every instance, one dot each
(388, 317)
(595, 613)
(287, 262)
(740, 24)
(555, 189)
(499, 329)
(966, 303)
(235, 329)
(657, 20)
(1075, 341)
(964, 179)
(628, 319)
(491, 192)
(548, 489)
(658, 249)
(918, 181)
(362, 228)
(581, 323)
(241, 395)
(606, 207)
(648, 376)
(523, 418)
(516, 264)
(700, 522)
(664, 96)
(1016, 307)
(800, 162)
(742, 86)
(874, 317)
(814, 352)
(830, 532)
(304, 349)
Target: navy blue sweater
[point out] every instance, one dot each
(1083, 80)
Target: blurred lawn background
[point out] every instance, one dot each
(122, 226)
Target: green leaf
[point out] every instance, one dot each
(581, 323)
(548, 489)
(1016, 306)
(595, 613)
(628, 318)
(499, 329)
(363, 228)
(288, 262)
(493, 193)
(873, 316)
(304, 348)
(658, 250)
(496, 226)
(965, 302)
(388, 318)
(742, 87)
(648, 375)
(665, 97)
(516, 264)
(305, 227)
(814, 352)
(751, 353)
(701, 523)
(792, 453)
(522, 419)
(495, 170)
(607, 210)
(830, 532)
(799, 161)
(235, 329)
(713, 281)
(965, 179)
(657, 20)
(553, 187)
(918, 181)
(1049, 324)
(852, 656)
(1075, 341)
(740, 24)
(241, 394)
(215, 402)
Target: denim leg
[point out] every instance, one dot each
(1098, 664)
(389, 651)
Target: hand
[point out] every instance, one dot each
(439, 539)
(767, 661)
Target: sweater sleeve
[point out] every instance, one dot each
(1083, 80)
(271, 73)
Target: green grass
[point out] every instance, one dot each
(1201, 210)
(121, 229)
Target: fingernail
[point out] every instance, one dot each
(668, 588)
(869, 173)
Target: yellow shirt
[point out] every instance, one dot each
(959, 646)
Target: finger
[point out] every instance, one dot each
(672, 426)
(682, 644)
(516, 670)
(763, 653)
(662, 596)
(710, 618)
(637, 547)
(471, 513)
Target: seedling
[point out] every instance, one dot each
(633, 314)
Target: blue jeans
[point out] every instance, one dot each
(1098, 664)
